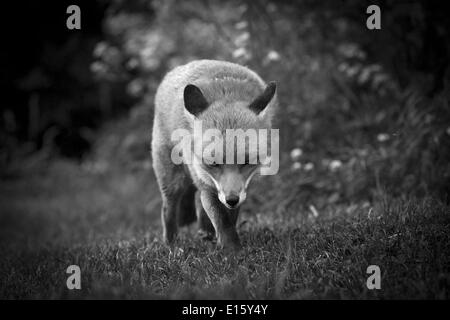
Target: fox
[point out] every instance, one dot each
(222, 95)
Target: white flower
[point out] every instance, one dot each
(242, 39)
(296, 153)
(241, 53)
(382, 137)
(135, 88)
(133, 63)
(100, 48)
(343, 67)
(335, 165)
(309, 166)
(273, 56)
(241, 25)
(296, 166)
(314, 211)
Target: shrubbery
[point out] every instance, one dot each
(361, 130)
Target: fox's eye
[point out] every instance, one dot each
(247, 165)
(213, 164)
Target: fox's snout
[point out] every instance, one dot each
(231, 188)
(232, 200)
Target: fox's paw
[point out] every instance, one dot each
(205, 235)
(230, 246)
(169, 238)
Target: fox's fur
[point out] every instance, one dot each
(224, 96)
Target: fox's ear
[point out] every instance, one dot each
(261, 102)
(194, 101)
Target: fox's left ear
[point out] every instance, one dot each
(194, 100)
(261, 102)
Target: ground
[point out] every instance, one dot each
(108, 224)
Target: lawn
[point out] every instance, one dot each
(107, 222)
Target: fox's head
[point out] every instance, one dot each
(225, 136)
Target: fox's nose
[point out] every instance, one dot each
(232, 200)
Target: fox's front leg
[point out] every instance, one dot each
(170, 186)
(169, 218)
(223, 220)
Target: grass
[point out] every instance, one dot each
(108, 224)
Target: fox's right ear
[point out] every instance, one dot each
(260, 103)
(194, 100)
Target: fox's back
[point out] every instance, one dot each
(218, 80)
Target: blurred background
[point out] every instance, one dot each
(364, 117)
(371, 103)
